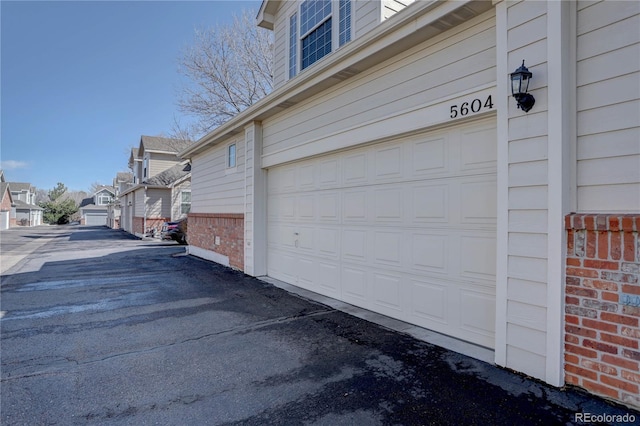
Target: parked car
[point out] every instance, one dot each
(176, 231)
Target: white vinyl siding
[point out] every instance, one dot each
(158, 203)
(458, 60)
(158, 163)
(176, 202)
(213, 189)
(367, 16)
(526, 266)
(608, 150)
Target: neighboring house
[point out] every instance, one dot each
(122, 181)
(6, 202)
(24, 211)
(161, 189)
(94, 210)
(392, 169)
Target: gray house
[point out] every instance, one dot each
(24, 211)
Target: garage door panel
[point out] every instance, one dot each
(389, 204)
(477, 316)
(388, 163)
(329, 278)
(387, 247)
(478, 149)
(305, 178)
(405, 228)
(386, 293)
(354, 245)
(282, 266)
(305, 207)
(354, 284)
(355, 168)
(478, 257)
(281, 207)
(329, 207)
(307, 272)
(429, 253)
(355, 206)
(429, 157)
(430, 203)
(478, 201)
(429, 300)
(305, 239)
(328, 242)
(329, 173)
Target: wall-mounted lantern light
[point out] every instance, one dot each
(520, 85)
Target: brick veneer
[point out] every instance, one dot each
(602, 309)
(205, 227)
(152, 222)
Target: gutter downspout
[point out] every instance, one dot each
(144, 222)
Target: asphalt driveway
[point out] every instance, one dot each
(101, 328)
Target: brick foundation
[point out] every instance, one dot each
(229, 227)
(602, 305)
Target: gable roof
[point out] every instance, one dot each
(20, 186)
(111, 189)
(171, 175)
(4, 189)
(160, 144)
(25, 206)
(124, 177)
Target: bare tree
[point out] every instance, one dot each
(229, 67)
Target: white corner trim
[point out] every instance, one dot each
(502, 229)
(561, 34)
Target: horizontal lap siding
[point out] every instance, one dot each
(459, 60)
(161, 162)
(213, 188)
(159, 203)
(608, 99)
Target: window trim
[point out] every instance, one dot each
(227, 157)
(183, 203)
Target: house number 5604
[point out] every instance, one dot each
(474, 106)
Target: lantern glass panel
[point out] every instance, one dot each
(515, 84)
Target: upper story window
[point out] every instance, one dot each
(104, 199)
(145, 169)
(316, 32)
(185, 202)
(231, 156)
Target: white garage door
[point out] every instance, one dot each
(95, 219)
(406, 228)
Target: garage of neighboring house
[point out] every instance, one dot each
(95, 219)
(405, 227)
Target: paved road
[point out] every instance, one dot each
(101, 328)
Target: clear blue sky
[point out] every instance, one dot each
(82, 81)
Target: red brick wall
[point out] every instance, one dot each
(152, 222)
(229, 227)
(602, 305)
(6, 202)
